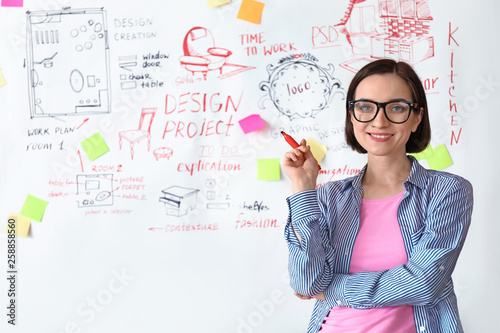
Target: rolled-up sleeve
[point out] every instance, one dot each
(310, 254)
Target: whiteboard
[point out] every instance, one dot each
(180, 231)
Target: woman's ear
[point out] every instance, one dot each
(418, 119)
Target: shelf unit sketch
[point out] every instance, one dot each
(68, 62)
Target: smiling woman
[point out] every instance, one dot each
(377, 250)
(411, 87)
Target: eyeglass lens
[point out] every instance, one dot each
(366, 111)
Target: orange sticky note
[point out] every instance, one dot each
(251, 11)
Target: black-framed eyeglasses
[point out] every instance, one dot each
(396, 112)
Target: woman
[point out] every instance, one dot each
(377, 250)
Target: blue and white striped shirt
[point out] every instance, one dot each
(434, 216)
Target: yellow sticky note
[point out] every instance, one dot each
(317, 149)
(94, 146)
(33, 208)
(217, 3)
(268, 169)
(2, 80)
(251, 11)
(19, 224)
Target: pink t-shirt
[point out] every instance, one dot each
(378, 246)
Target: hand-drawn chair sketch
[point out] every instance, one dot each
(143, 132)
(68, 62)
(200, 53)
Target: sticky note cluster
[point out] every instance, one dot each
(33, 209)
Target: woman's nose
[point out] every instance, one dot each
(380, 120)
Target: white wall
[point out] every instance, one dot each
(100, 267)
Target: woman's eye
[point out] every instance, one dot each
(398, 108)
(365, 108)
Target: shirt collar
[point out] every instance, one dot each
(418, 175)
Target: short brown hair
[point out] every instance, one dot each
(419, 139)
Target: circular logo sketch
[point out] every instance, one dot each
(299, 88)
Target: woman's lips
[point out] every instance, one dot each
(380, 137)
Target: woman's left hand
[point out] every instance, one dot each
(319, 296)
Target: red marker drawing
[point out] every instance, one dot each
(293, 143)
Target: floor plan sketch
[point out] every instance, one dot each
(68, 62)
(94, 190)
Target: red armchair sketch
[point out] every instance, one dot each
(200, 53)
(143, 132)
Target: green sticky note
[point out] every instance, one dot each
(440, 158)
(33, 208)
(268, 169)
(94, 146)
(423, 154)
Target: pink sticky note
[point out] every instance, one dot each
(252, 123)
(12, 3)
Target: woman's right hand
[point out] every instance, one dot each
(301, 167)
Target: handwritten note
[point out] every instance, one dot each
(437, 158)
(251, 11)
(268, 169)
(94, 146)
(2, 80)
(217, 3)
(12, 3)
(252, 123)
(317, 149)
(33, 208)
(21, 225)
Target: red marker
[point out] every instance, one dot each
(293, 143)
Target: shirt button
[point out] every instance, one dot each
(422, 328)
(339, 302)
(441, 268)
